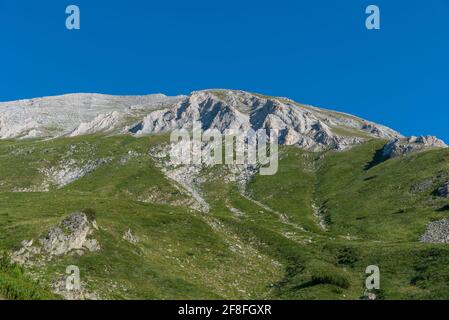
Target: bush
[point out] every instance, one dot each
(326, 277)
(14, 285)
(347, 256)
(90, 213)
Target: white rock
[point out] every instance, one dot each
(72, 234)
(102, 123)
(304, 126)
(398, 147)
(74, 114)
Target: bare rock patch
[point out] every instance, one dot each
(130, 237)
(437, 232)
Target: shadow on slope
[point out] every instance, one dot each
(378, 158)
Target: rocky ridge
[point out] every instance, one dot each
(399, 147)
(73, 114)
(300, 125)
(303, 126)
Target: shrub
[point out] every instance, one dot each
(326, 277)
(15, 285)
(90, 214)
(347, 256)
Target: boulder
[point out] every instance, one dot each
(130, 237)
(437, 232)
(444, 190)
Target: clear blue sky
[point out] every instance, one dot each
(316, 51)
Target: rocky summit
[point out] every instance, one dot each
(296, 124)
(72, 115)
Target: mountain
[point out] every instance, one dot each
(80, 114)
(86, 181)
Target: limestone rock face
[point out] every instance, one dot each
(298, 125)
(303, 126)
(73, 114)
(399, 147)
(102, 123)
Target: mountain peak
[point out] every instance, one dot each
(297, 124)
(300, 125)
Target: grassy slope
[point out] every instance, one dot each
(274, 249)
(374, 219)
(377, 203)
(180, 254)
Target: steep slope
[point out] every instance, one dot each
(391, 201)
(303, 126)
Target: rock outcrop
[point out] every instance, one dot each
(68, 171)
(71, 235)
(130, 237)
(437, 232)
(399, 147)
(443, 191)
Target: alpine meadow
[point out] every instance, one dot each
(86, 180)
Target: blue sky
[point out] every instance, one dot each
(316, 51)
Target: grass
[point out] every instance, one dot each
(179, 256)
(378, 204)
(274, 249)
(16, 285)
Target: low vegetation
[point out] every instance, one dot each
(266, 243)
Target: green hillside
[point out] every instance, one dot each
(307, 232)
